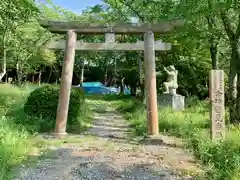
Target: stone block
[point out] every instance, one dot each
(176, 102)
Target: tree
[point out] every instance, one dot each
(210, 24)
(13, 14)
(230, 15)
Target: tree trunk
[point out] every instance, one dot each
(232, 93)
(39, 78)
(50, 75)
(237, 58)
(234, 90)
(6, 78)
(82, 75)
(33, 80)
(3, 64)
(19, 74)
(141, 79)
(234, 80)
(213, 38)
(214, 52)
(122, 86)
(238, 98)
(133, 89)
(234, 83)
(105, 77)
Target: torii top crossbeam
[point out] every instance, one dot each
(117, 28)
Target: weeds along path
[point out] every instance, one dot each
(108, 152)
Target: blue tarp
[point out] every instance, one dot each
(99, 88)
(92, 84)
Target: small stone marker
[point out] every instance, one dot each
(216, 92)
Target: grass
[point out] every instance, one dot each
(18, 131)
(13, 146)
(108, 97)
(221, 159)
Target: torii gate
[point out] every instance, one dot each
(149, 46)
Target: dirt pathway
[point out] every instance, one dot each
(107, 152)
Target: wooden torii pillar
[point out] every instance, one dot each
(149, 46)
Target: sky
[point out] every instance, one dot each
(76, 5)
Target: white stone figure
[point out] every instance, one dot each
(171, 84)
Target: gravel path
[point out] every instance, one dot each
(107, 152)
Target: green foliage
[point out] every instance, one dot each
(14, 145)
(15, 12)
(42, 103)
(221, 159)
(17, 129)
(9, 95)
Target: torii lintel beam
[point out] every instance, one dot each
(109, 46)
(60, 27)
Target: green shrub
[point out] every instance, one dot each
(42, 103)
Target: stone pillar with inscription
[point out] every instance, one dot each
(217, 112)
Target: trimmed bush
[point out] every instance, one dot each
(42, 103)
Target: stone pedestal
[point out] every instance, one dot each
(176, 102)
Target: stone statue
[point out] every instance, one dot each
(170, 96)
(171, 84)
